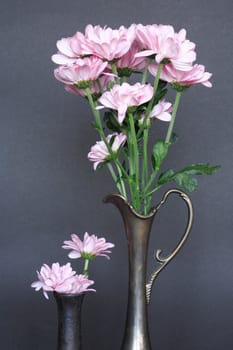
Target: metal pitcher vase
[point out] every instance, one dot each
(137, 229)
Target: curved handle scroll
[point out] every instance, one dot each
(163, 261)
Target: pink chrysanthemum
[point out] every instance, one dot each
(107, 43)
(60, 279)
(83, 70)
(196, 75)
(162, 41)
(94, 88)
(120, 97)
(161, 111)
(99, 153)
(129, 61)
(70, 49)
(90, 247)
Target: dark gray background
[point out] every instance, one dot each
(48, 188)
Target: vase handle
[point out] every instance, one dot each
(163, 261)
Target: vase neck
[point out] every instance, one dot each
(69, 321)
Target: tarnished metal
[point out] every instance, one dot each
(138, 228)
(69, 321)
(163, 261)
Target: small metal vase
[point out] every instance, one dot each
(137, 229)
(69, 308)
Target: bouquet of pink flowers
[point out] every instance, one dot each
(63, 279)
(100, 65)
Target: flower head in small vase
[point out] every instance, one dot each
(90, 247)
(61, 279)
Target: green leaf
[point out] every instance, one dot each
(159, 96)
(111, 122)
(165, 177)
(161, 92)
(131, 179)
(96, 126)
(174, 138)
(110, 85)
(186, 181)
(111, 141)
(119, 179)
(162, 84)
(184, 178)
(200, 169)
(160, 150)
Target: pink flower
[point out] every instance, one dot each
(79, 45)
(161, 111)
(61, 279)
(130, 61)
(80, 285)
(65, 54)
(95, 89)
(84, 70)
(108, 43)
(90, 247)
(164, 43)
(70, 49)
(99, 153)
(194, 76)
(120, 97)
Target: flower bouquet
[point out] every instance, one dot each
(101, 65)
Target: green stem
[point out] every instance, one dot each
(96, 114)
(144, 76)
(112, 172)
(145, 170)
(102, 135)
(149, 183)
(145, 156)
(135, 154)
(173, 118)
(127, 172)
(150, 105)
(145, 137)
(167, 140)
(131, 165)
(98, 120)
(155, 189)
(86, 266)
(100, 86)
(114, 70)
(122, 169)
(156, 83)
(123, 190)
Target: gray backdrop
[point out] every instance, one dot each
(48, 188)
